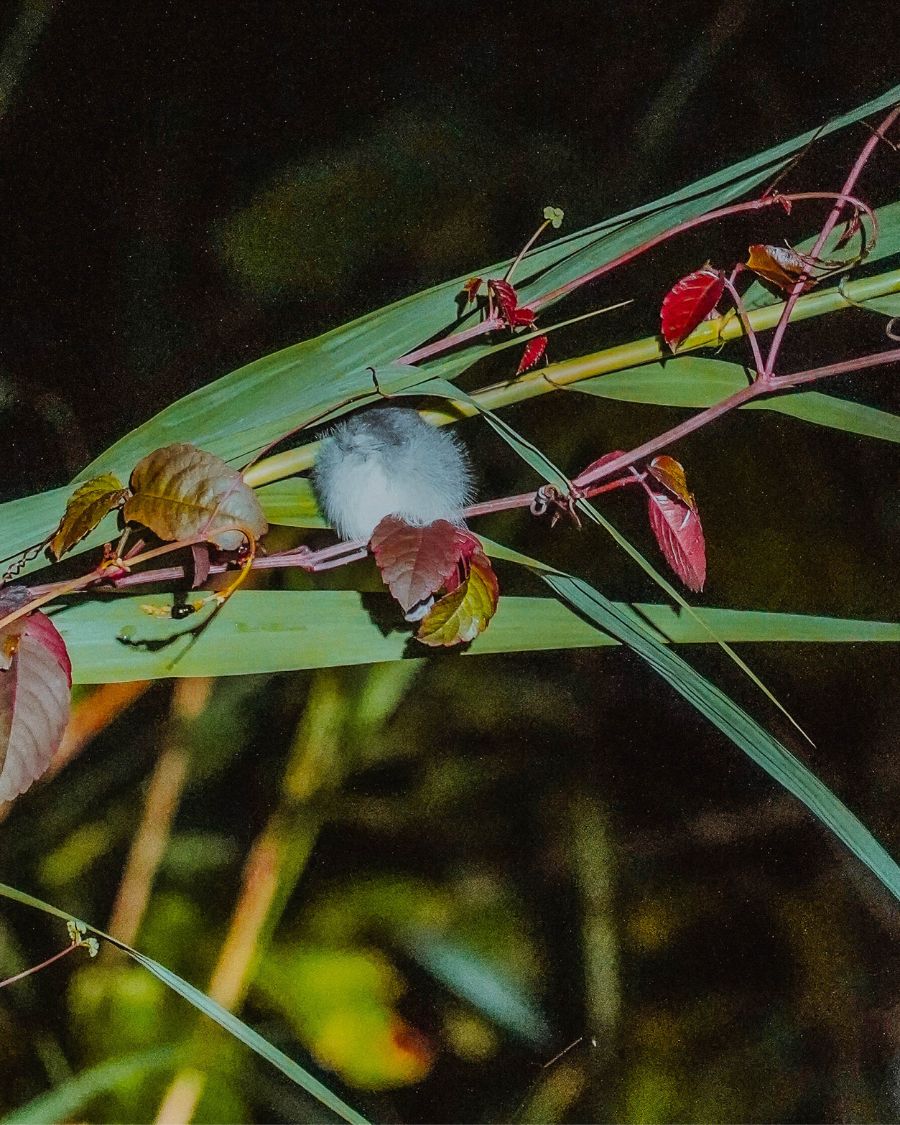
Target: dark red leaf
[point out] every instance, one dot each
(679, 534)
(522, 317)
(416, 561)
(469, 547)
(688, 302)
(534, 349)
(35, 686)
(507, 298)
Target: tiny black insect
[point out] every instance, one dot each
(182, 610)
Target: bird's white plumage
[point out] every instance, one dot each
(388, 461)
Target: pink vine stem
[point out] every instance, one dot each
(841, 201)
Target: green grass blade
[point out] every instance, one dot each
(733, 721)
(67, 1101)
(545, 467)
(209, 1007)
(690, 381)
(286, 630)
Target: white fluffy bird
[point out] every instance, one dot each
(388, 461)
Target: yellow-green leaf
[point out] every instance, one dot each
(87, 506)
(465, 612)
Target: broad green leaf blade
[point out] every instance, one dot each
(291, 503)
(691, 381)
(208, 1007)
(67, 1101)
(733, 721)
(281, 630)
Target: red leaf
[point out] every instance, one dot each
(688, 302)
(469, 547)
(534, 349)
(670, 474)
(679, 534)
(508, 300)
(507, 297)
(522, 317)
(780, 266)
(416, 561)
(35, 683)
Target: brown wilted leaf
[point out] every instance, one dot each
(465, 612)
(180, 492)
(779, 265)
(670, 474)
(87, 506)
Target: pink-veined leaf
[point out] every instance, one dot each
(534, 351)
(87, 506)
(679, 534)
(416, 561)
(507, 297)
(670, 473)
(465, 612)
(180, 492)
(689, 302)
(35, 691)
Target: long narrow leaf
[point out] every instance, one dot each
(543, 465)
(208, 1007)
(691, 381)
(282, 630)
(733, 721)
(67, 1101)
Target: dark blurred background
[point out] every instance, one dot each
(184, 188)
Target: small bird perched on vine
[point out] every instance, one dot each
(388, 461)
